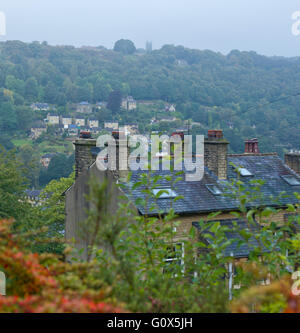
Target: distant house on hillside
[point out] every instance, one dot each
(66, 120)
(84, 107)
(101, 105)
(170, 108)
(33, 197)
(129, 103)
(72, 130)
(40, 107)
(80, 122)
(46, 159)
(168, 119)
(52, 119)
(111, 125)
(131, 129)
(93, 123)
(37, 130)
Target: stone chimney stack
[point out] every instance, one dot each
(215, 153)
(84, 157)
(251, 146)
(292, 159)
(121, 164)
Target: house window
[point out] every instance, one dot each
(214, 189)
(174, 258)
(291, 180)
(164, 193)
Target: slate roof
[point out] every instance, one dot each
(270, 169)
(33, 193)
(238, 247)
(41, 105)
(48, 155)
(198, 199)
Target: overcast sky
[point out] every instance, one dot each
(264, 26)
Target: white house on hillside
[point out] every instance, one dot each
(52, 119)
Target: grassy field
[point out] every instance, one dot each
(57, 146)
(21, 142)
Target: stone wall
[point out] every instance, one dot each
(83, 155)
(77, 205)
(215, 156)
(293, 161)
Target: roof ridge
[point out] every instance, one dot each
(253, 154)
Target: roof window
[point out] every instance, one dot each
(291, 180)
(244, 172)
(164, 193)
(214, 189)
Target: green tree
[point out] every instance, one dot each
(114, 101)
(125, 46)
(14, 84)
(12, 187)
(51, 215)
(8, 117)
(31, 89)
(102, 89)
(60, 166)
(30, 162)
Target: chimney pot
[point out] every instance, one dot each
(251, 146)
(215, 134)
(179, 133)
(117, 134)
(85, 135)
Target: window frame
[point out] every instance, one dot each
(287, 177)
(209, 187)
(180, 258)
(170, 195)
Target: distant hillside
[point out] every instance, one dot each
(207, 87)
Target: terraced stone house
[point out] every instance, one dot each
(199, 198)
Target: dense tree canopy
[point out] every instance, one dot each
(125, 46)
(114, 101)
(60, 166)
(231, 91)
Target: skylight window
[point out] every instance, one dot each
(214, 189)
(165, 193)
(291, 180)
(244, 172)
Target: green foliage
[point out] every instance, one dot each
(141, 259)
(12, 186)
(43, 284)
(132, 252)
(50, 216)
(151, 269)
(230, 92)
(60, 166)
(114, 101)
(125, 46)
(31, 89)
(30, 162)
(47, 220)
